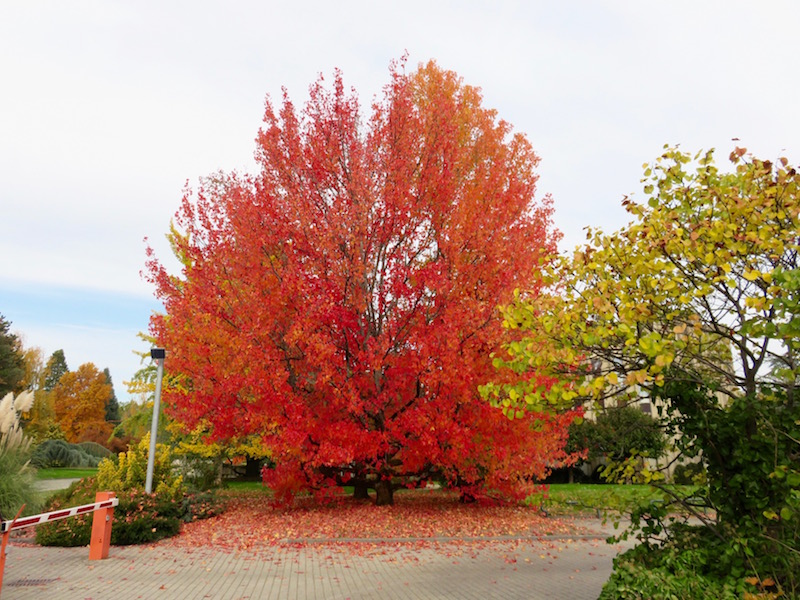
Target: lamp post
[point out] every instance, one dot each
(157, 354)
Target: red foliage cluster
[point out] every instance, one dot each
(342, 303)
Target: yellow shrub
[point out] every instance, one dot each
(130, 470)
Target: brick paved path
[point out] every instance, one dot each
(508, 569)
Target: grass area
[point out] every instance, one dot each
(243, 486)
(65, 473)
(563, 499)
(575, 498)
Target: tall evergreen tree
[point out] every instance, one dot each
(55, 369)
(112, 407)
(12, 362)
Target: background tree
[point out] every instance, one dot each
(56, 367)
(12, 362)
(41, 423)
(80, 404)
(33, 360)
(692, 302)
(112, 408)
(342, 302)
(40, 416)
(617, 433)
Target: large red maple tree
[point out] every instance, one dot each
(342, 302)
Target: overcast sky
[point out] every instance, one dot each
(107, 109)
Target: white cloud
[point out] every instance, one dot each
(108, 108)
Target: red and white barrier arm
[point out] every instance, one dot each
(56, 515)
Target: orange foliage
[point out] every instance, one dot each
(80, 399)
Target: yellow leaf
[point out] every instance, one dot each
(751, 275)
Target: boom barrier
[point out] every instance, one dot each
(100, 542)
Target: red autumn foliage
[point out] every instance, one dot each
(342, 303)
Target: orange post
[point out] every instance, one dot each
(101, 528)
(3, 545)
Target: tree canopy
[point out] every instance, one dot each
(80, 399)
(112, 407)
(12, 362)
(704, 281)
(694, 303)
(617, 433)
(341, 303)
(56, 367)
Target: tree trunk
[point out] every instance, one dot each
(252, 469)
(384, 493)
(361, 491)
(466, 498)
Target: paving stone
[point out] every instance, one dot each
(530, 569)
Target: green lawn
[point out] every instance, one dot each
(575, 498)
(65, 473)
(244, 486)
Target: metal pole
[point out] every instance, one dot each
(158, 354)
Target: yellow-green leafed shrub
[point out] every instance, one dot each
(129, 471)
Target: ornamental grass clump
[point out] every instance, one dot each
(16, 482)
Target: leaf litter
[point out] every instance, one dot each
(419, 523)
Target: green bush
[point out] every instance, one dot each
(59, 453)
(751, 503)
(95, 449)
(200, 472)
(138, 519)
(687, 566)
(634, 581)
(618, 433)
(200, 505)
